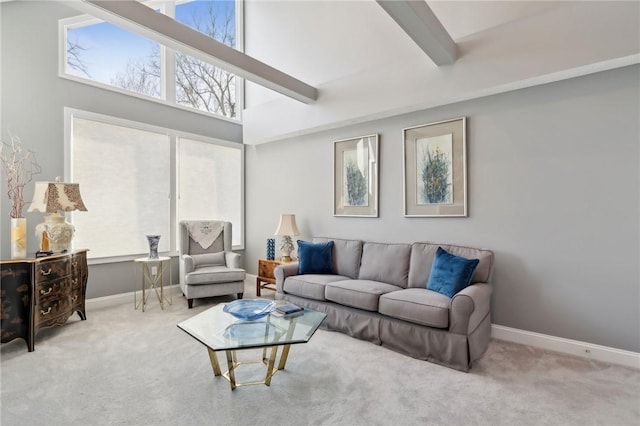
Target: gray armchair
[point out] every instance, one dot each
(208, 267)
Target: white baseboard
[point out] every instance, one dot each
(567, 346)
(122, 298)
(514, 335)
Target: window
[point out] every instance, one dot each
(126, 170)
(102, 54)
(97, 52)
(216, 197)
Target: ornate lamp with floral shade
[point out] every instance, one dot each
(55, 234)
(19, 167)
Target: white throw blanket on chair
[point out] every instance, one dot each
(205, 233)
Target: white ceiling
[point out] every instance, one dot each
(463, 18)
(366, 66)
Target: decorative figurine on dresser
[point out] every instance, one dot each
(41, 292)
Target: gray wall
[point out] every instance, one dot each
(553, 184)
(33, 98)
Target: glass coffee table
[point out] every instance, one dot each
(220, 331)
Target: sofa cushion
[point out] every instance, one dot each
(315, 258)
(417, 305)
(450, 273)
(423, 253)
(387, 263)
(214, 275)
(346, 256)
(310, 286)
(361, 294)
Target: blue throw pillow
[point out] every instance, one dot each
(450, 273)
(315, 258)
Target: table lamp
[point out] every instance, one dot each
(55, 234)
(286, 228)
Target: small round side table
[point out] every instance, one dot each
(153, 277)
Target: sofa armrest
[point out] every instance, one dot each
(469, 307)
(281, 272)
(189, 264)
(232, 259)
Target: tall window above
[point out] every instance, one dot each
(107, 54)
(103, 54)
(200, 84)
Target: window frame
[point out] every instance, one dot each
(174, 135)
(167, 59)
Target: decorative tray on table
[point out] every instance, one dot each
(249, 309)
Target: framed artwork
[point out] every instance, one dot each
(355, 177)
(435, 169)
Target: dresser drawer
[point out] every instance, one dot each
(52, 289)
(50, 311)
(76, 296)
(52, 269)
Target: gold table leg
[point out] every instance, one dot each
(214, 363)
(270, 370)
(233, 364)
(284, 356)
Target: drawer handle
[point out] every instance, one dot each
(74, 298)
(74, 281)
(74, 264)
(45, 313)
(45, 273)
(44, 293)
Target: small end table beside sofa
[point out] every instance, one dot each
(265, 278)
(377, 292)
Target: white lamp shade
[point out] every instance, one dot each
(287, 225)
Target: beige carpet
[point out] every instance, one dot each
(125, 367)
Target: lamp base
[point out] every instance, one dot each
(57, 232)
(286, 259)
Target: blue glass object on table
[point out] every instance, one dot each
(153, 246)
(249, 309)
(271, 248)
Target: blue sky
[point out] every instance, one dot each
(109, 48)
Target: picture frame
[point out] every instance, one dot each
(355, 176)
(435, 169)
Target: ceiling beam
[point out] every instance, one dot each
(421, 24)
(143, 20)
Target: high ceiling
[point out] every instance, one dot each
(463, 18)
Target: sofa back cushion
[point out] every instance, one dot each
(346, 256)
(423, 253)
(387, 263)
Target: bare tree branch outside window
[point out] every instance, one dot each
(74, 56)
(198, 84)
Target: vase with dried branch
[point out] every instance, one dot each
(19, 166)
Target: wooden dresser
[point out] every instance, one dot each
(40, 293)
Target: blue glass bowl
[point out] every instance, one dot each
(249, 309)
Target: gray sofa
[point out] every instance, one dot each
(378, 293)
